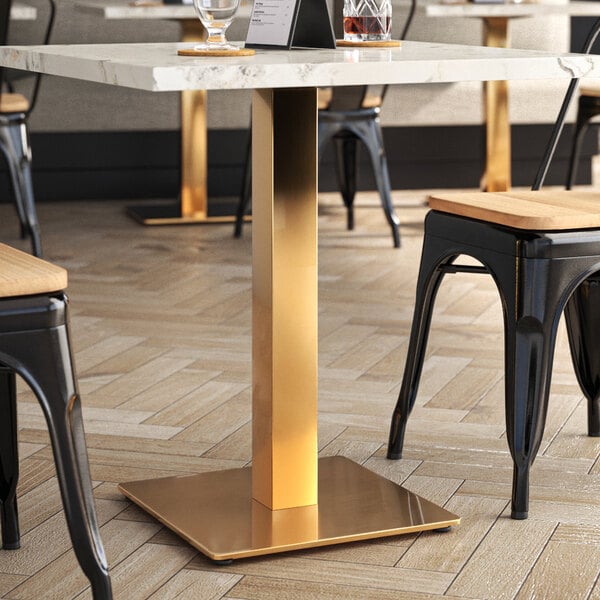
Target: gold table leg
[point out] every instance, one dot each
(288, 499)
(495, 93)
(192, 207)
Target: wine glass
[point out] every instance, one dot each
(216, 16)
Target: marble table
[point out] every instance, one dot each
(496, 17)
(192, 206)
(288, 499)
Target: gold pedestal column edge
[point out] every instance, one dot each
(287, 500)
(497, 177)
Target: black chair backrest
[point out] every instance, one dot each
(4, 22)
(7, 76)
(562, 115)
(353, 97)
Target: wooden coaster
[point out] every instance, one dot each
(236, 52)
(369, 44)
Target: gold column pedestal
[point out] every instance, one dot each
(215, 512)
(497, 177)
(192, 206)
(288, 500)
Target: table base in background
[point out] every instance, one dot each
(215, 512)
(170, 214)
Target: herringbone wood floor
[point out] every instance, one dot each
(161, 329)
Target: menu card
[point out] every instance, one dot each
(290, 24)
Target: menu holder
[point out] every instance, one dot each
(290, 24)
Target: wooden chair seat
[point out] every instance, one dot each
(325, 95)
(13, 103)
(590, 90)
(24, 275)
(35, 344)
(536, 211)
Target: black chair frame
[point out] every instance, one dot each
(538, 275)
(34, 343)
(14, 139)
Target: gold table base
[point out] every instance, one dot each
(216, 514)
(170, 214)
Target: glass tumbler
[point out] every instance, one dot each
(367, 20)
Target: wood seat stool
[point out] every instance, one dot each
(539, 247)
(34, 343)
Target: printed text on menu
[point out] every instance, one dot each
(271, 22)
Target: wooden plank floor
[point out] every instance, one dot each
(161, 329)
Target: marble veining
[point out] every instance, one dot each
(157, 67)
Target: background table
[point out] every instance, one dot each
(192, 206)
(23, 12)
(288, 499)
(496, 17)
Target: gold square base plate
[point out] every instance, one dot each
(216, 514)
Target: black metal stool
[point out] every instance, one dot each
(539, 247)
(34, 343)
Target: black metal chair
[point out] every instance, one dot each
(542, 249)
(15, 110)
(34, 343)
(347, 115)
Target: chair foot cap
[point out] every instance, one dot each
(12, 546)
(519, 516)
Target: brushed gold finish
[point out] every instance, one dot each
(497, 177)
(193, 139)
(288, 499)
(215, 513)
(284, 266)
(160, 214)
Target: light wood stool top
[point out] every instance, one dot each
(590, 90)
(24, 275)
(538, 211)
(13, 103)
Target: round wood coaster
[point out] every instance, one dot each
(217, 52)
(368, 44)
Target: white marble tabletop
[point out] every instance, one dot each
(511, 9)
(23, 12)
(157, 67)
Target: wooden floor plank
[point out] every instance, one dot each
(165, 378)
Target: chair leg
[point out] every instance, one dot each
(246, 191)
(50, 375)
(370, 133)
(14, 137)
(430, 278)
(583, 327)
(345, 154)
(9, 460)
(530, 335)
